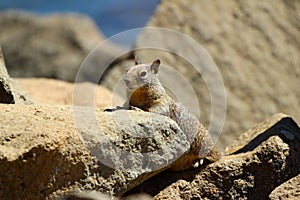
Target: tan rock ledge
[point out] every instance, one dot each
(42, 156)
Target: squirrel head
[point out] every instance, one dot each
(141, 75)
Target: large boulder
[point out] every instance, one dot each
(48, 151)
(255, 45)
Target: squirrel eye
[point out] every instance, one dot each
(143, 73)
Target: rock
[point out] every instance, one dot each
(52, 46)
(49, 151)
(279, 124)
(9, 90)
(61, 93)
(255, 46)
(253, 172)
(288, 190)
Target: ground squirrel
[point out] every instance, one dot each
(145, 92)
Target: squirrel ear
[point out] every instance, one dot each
(137, 62)
(154, 66)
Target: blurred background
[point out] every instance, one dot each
(255, 44)
(111, 16)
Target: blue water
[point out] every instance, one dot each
(111, 16)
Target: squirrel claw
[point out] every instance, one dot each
(198, 163)
(135, 108)
(114, 109)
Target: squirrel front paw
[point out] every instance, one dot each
(135, 108)
(114, 109)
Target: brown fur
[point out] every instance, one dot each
(143, 98)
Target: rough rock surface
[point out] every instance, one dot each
(51, 46)
(256, 46)
(61, 93)
(279, 124)
(42, 154)
(270, 158)
(9, 90)
(288, 190)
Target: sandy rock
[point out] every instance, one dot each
(10, 93)
(52, 46)
(61, 93)
(250, 173)
(42, 153)
(255, 45)
(288, 190)
(279, 124)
